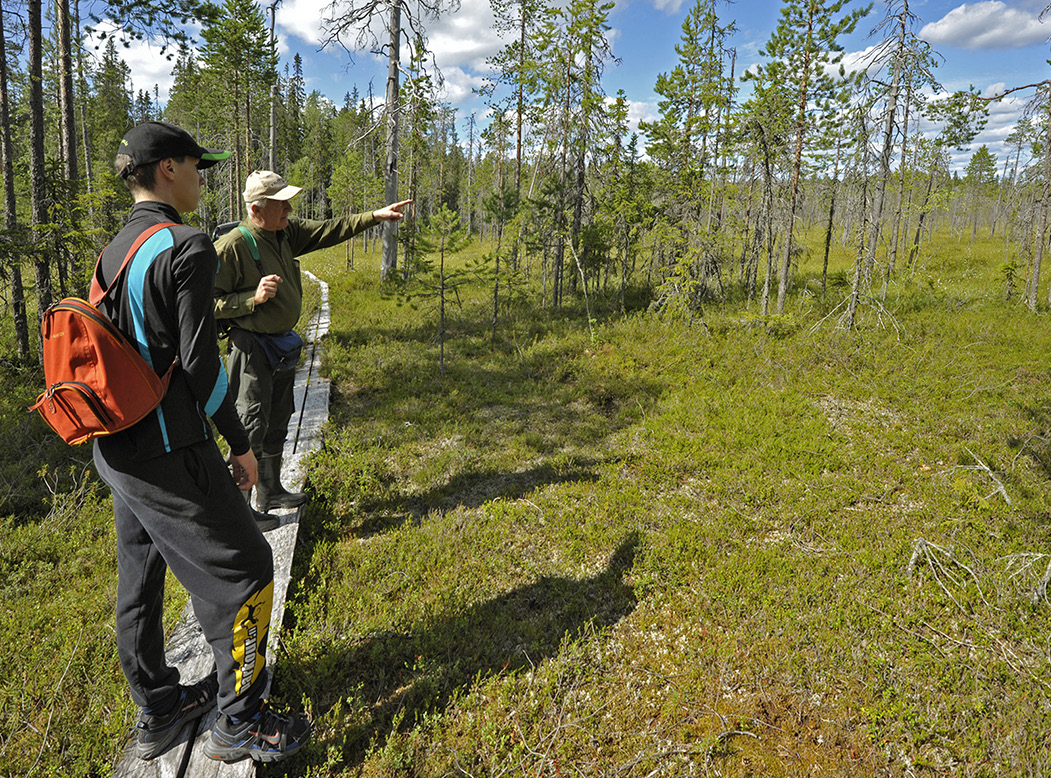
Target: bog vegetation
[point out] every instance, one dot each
(647, 547)
(729, 458)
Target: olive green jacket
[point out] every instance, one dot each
(239, 273)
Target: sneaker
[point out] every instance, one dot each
(267, 738)
(265, 521)
(153, 735)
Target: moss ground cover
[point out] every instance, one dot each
(736, 549)
(752, 547)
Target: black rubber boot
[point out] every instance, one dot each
(269, 493)
(264, 521)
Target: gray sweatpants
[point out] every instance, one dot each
(183, 511)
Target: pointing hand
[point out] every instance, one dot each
(392, 212)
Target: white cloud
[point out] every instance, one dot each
(1003, 117)
(670, 7)
(638, 111)
(303, 19)
(854, 61)
(463, 39)
(641, 111)
(144, 59)
(466, 38)
(459, 86)
(989, 24)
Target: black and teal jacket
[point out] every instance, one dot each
(165, 305)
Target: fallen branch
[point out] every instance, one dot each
(989, 472)
(924, 549)
(1002, 95)
(1041, 588)
(1034, 436)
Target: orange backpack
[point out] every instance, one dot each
(97, 382)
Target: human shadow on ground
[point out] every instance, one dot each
(400, 677)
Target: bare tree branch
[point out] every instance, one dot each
(1002, 95)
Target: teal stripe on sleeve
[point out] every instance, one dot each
(137, 271)
(222, 382)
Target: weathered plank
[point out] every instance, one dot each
(187, 648)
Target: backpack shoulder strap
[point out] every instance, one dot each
(97, 293)
(252, 246)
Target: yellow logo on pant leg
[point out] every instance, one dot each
(250, 632)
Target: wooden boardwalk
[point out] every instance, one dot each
(187, 649)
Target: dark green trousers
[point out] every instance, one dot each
(264, 398)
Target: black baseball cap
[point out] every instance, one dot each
(152, 141)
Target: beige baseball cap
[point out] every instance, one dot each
(268, 184)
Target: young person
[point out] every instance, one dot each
(259, 292)
(174, 501)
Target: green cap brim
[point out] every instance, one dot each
(212, 157)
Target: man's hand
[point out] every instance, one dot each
(267, 288)
(392, 212)
(245, 470)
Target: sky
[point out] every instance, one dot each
(990, 44)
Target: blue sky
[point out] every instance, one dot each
(990, 44)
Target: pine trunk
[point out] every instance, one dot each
(1041, 232)
(38, 190)
(18, 301)
(389, 262)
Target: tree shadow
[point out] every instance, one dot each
(469, 490)
(557, 411)
(400, 678)
(1035, 442)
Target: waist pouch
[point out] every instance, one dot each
(282, 351)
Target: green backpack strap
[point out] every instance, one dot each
(252, 247)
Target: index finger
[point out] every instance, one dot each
(402, 204)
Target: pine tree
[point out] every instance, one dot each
(37, 163)
(803, 52)
(910, 65)
(432, 283)
(695, 95)
(766, 126)
(515, 65)
(11, 226)
(241, 67)
(574, 50)
(294, 102)
(627, 198)
(980, 178)
(353, 21)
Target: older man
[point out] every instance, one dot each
(259, 292)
